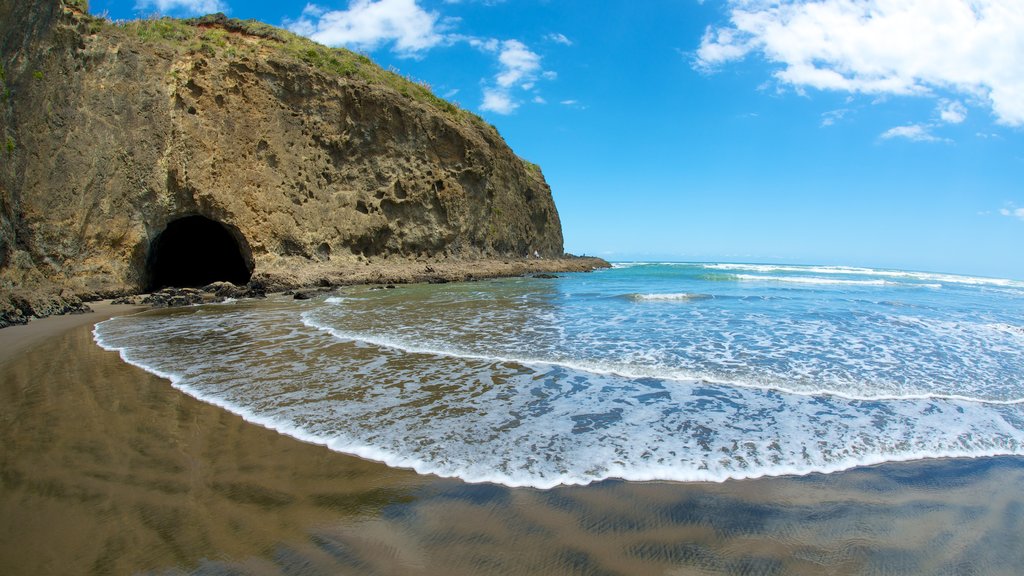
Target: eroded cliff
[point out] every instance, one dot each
(310, 160)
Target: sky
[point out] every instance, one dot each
(882, 133)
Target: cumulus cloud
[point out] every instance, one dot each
(914, 132)
(368, 24)
(411, 30)
(498, 101)
(182, 6)
(952, 111)
(883, 47)
(518, 63)
(519, 69)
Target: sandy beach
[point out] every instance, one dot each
(106, 469)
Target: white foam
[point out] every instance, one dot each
(848, 270)
(677, 297)
(829, 281)
(543, 452)
(630, 371)
(472, 407)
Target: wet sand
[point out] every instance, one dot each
(106, 469)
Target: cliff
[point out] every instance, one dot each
(167, 152)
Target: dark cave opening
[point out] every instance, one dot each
(195, 251)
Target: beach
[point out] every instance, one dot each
(107, 469)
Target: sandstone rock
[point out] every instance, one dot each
(161, 153)
(281, 154)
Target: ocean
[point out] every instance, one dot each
(646, 371)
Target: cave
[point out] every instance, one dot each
(195, 251)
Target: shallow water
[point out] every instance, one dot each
(108, 470)
(644, 372)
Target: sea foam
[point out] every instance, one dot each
(531, 383)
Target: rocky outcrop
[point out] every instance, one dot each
(161, 152)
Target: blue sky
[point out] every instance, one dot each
(886, 133)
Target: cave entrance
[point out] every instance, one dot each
(194, 251)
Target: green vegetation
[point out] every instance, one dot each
(82, 5)
(38, 74)
(153, 30)
(217, 34)
(530, 166)
(10, 146)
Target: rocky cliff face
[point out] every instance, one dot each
(115, 136)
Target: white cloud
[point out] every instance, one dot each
(558, 39)
(411, 30)
(832, 116)
(519, 68)
(914, 132)
(972, 47)
(368, 24)
(569, 102)
(518, 63)
(952, 111)
(1012, 212)
(182, 6)
(498, 101)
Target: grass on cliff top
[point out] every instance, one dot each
(216, 34)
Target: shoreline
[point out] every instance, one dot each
(21, 306)
(107, 468)
(15, 340)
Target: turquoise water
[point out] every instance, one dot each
(643, 372)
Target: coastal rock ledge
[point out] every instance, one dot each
(162, 152)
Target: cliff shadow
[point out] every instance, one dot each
(194, 251)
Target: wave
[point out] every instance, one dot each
(829, 281)
(631, 371)
(850, 270)
(546, 425)
(678, 297)
(634, 455)
(1008, 329)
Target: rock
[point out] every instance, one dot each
(303, 295)
(226, 290)
(10, 316)
(169, 297)
(286, 158)
(255, 289)
(129, 300)
(545, 276)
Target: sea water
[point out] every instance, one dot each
(646, 371)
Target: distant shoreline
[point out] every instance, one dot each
(283, 278)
